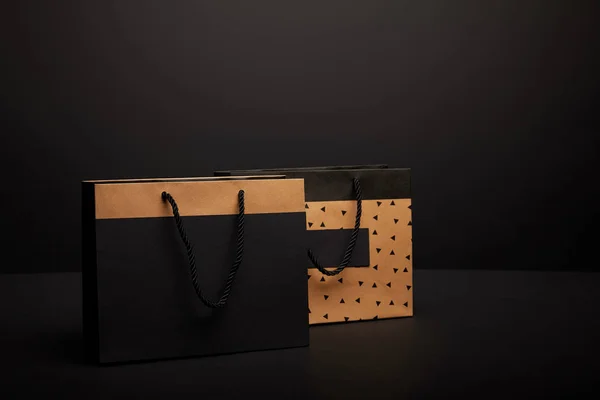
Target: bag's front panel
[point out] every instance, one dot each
(147, 307)
(384, 290)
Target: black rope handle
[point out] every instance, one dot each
(239, 252)
(351, 244)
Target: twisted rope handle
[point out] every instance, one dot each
(239, 252)
(351, 244)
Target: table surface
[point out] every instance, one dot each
(489, 334)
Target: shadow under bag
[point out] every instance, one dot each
(191, 267)
(359, 225)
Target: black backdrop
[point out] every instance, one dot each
(490, 103)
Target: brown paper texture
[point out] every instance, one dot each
(384, 290)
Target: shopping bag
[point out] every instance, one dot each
(193, 266)
(359, 252)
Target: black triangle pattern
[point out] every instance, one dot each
(392, 253)
(378, 250)
(376, 267)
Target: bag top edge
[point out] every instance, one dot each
(189, 179)
(316, 170)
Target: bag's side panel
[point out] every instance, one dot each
(148, 307)
(89, 273)
(384, 290)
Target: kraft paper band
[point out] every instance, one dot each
(197, 198)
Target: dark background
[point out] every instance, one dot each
(492, 103)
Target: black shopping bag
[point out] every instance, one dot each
(194, 266)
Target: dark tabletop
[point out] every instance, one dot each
(474, 334)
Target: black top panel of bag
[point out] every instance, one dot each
(335, 183)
